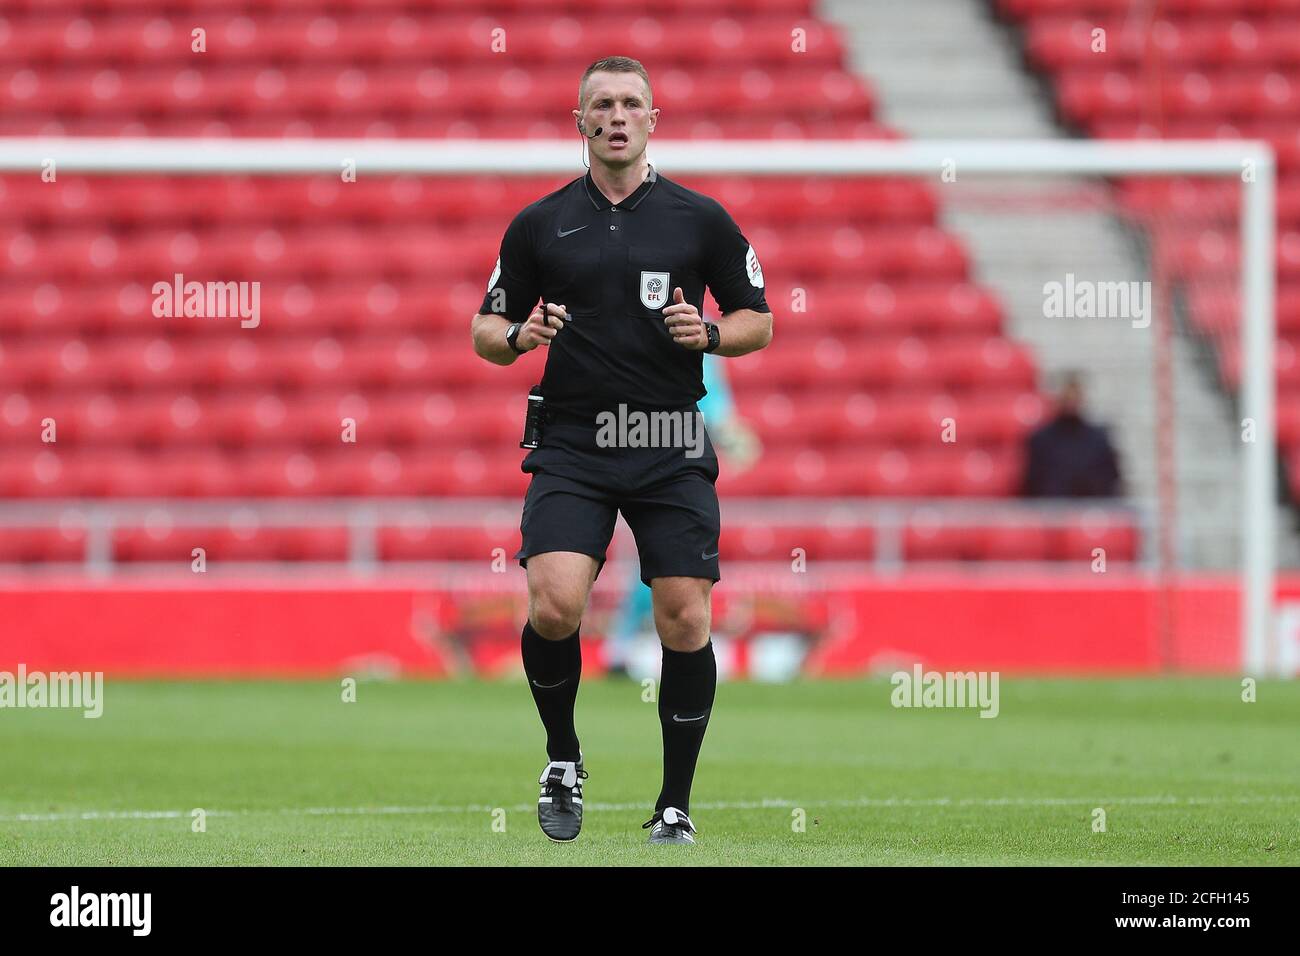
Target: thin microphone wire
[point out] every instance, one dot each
(586, 139)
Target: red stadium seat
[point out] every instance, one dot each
(367, 287)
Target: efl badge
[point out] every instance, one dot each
(654, 289)
(753, 269)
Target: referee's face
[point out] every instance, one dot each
(620, 103)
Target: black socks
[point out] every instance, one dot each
(554, 669)
(687, 685)
(686, 688)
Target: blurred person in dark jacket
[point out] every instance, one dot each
(1070, 457)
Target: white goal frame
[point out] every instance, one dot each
(1251, 162)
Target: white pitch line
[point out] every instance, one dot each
(768, 803)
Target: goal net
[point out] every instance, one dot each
(258, 338)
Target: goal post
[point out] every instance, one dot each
(1252, 163)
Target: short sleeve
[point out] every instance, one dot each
(514, 287)
(733, 273)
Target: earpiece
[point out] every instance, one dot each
(599, 129)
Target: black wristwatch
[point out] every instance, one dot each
(715, 337)
(512, 333)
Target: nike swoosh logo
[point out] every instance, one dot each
(707, 556)
(549, 686)
(561, 233)
(687, 720)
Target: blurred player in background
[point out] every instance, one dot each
(740, 448)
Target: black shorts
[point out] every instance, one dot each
(667, 498)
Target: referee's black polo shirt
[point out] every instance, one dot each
(614, 266)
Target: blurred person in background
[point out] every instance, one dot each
(741, 448)
(1070, 457)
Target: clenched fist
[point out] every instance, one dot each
(685, 324)
(542, 325)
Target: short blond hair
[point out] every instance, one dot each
(616, 64)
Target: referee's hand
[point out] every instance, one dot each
(685, 324)
(541, 326)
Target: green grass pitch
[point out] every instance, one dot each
(437, 773)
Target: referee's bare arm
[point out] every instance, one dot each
(739, 331)
(489, 332)
(743, 331)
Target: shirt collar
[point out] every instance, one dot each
(599, 200)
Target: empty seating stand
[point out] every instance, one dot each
(1197, 69)
(367, 287)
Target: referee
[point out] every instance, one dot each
(619, 260)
